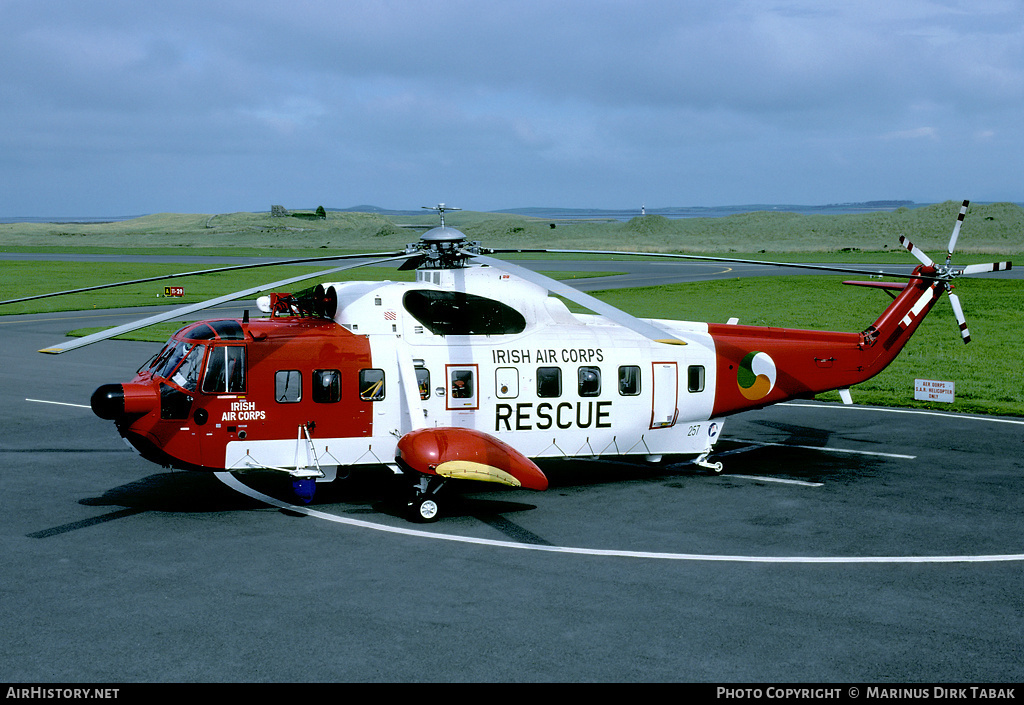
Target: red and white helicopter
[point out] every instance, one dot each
(473, 370)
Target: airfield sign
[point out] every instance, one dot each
(933, 390)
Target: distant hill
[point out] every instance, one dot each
(557, 212)
(712, 211)
(376, 209)
(581, 214)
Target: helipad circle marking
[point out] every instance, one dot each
(231, 481)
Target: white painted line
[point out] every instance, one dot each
(780, 480)
(826, 448)
(229, 480)
(921, 412)
(60, 403)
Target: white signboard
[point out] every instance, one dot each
(932, 390)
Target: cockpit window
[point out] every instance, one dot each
(168, 360)
(200, 331)
(225, 370)
(459, 313)
(187, 375)
(156, 362)
(228, 329)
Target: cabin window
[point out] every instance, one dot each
(695, 378)
(423, 382)
(589, 381)
(459, 313)
(506, 382)
(326, 386)
(288, 386)
(371, 385)
(225, 370)
(629, 380)
(549, 382)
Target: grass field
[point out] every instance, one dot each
(988, 373)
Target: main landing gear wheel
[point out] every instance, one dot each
(424, 510)
(423, 507)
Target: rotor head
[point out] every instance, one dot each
(443, 247)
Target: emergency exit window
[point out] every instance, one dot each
(463, 392)
(462, 384)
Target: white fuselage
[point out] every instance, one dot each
(565, 385)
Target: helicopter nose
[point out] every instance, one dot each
(108, 401)
(112, 401)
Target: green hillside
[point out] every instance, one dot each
(996, 228)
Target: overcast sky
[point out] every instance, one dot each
(117, 108)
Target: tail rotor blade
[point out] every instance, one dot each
(914, 250)
(961, 321)
(983, 268)
(956, 231)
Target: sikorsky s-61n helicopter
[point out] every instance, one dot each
(474, 370)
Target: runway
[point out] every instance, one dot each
(842, 544)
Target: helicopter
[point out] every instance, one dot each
(474, 371)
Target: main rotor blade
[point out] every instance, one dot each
(192, 308)
(596, 305)
(705, 258)
(299, 260)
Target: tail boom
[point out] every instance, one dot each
(759, 366)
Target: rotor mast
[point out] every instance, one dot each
(442, 247)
